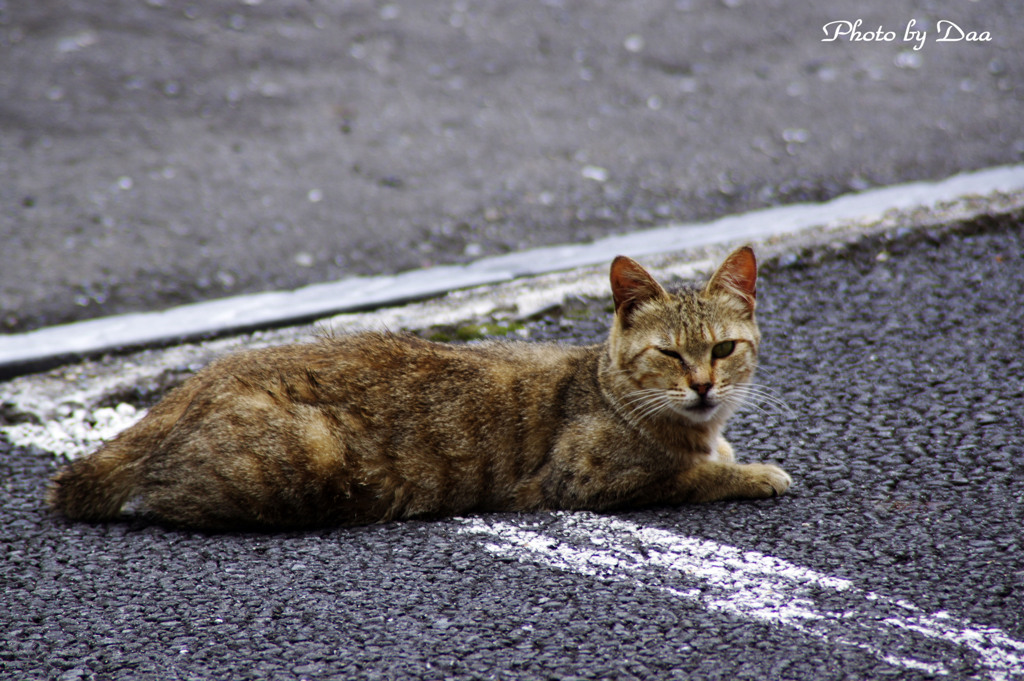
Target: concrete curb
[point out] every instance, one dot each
(34, 350)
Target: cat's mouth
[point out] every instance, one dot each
(700, 411)
(699, 408)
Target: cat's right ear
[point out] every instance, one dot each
(631, 286)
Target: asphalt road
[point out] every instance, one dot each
(898, 553)
(162, 151)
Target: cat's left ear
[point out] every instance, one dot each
(632, 286)
(737, 276)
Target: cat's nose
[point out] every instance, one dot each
(701, 388)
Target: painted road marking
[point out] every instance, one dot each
(76, 431)
(755, 586)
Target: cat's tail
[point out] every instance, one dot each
(97, 486)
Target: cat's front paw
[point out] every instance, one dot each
(724, 450)
(767, 480)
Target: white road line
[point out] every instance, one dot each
(76, 431)
(758, 587)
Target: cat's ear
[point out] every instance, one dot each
(737, 276)
(631, 286)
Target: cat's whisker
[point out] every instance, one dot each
(767, 373)
(759, 393)
(645, 403)
(655, 407)
(758, 397)
(755, 386)
(642, 394)
(763, 394)
(652, 411)
(739, 405)
(770, 402)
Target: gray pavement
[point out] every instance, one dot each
(161, 151)
(897, 554)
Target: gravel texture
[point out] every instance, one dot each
(899, 359)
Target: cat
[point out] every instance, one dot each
(375, 426)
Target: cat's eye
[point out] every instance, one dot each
(671, 353)
(723, 349)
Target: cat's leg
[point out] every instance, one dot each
(715, 481)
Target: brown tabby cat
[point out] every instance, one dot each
(376, 426)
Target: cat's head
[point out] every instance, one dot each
(686, 354)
